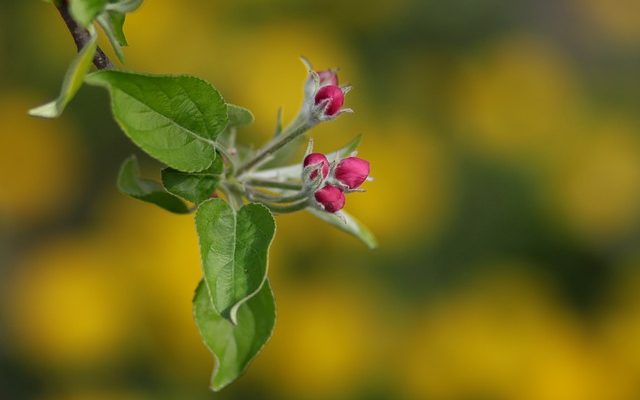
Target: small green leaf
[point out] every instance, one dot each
(239, 116)
(196, 186)
(112, 23)
(85, 11)
(173, 118)
(347, 149)
(349, 225)
(278, 129)
(71, 83)
(123, 6)
(130, 183)
(234, 346)
(234, 249)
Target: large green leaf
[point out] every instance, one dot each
(72, 81)
(173, 118)
(348, 224)
(234, 346)
(234, 250)
(195, 186)
(85, 11)
(130, 183)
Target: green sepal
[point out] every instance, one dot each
(72, 81)
(234, 345)
(195, 187)
(234, 251)
(174, 119)
(85, 11)
(130, 183)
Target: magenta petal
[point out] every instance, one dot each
(335, 96)
(331, 198)
(352, 171)
(317, 158)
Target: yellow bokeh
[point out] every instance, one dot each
(503, 337)
(596, 185)
(41, 159)
(158, 259)
(172, 40)
(517, 100)
(322, 345)
(65, 307)
(617, 20)
(621, 323)
(410, 172)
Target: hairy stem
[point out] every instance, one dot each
(274, 184)
(260, 196)
(81, 36)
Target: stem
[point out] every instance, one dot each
(274, 184)
(234, 199)
(225, 154)
(81, 36)
(276, 144)
(256, 195)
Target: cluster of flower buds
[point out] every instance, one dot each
(324, 97)
(334, 179)
(324, 183)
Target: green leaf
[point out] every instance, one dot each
(130, 183)
(234, 249)
(71, 83)
(347, 149)
(278, 129)
(234, 346)
(173, 118)
(112, 23)
(85, 11)
(239, 116)
(349, 225)
(123, 6)
(196, 186)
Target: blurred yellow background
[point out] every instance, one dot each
(504, 137)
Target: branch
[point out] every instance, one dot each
(81, 36)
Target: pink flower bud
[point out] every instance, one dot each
(331, 198)
(352, 171)
(335, 96)
(328, 77)
(317, 158)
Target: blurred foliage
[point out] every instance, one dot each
(504, 139)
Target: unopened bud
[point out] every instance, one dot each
(317, 158)
(328, 77)
(335, 98)
(331, 198)
(352, 172)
